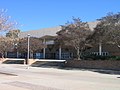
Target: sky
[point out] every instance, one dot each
(38, 14)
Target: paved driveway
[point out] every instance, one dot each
(18, 77)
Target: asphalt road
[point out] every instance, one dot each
(19, 77)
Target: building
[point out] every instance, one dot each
(52, 52)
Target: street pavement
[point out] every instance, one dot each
(20, 77)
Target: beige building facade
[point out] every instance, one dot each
(56, 52)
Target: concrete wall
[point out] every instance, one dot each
(98, 64)
(31, 61)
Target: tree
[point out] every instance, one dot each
(75, 34)
(108, 30)
(35, 45)
(5, 23)
(6, 44)
(99, 35)
(115, 36)
(13, 34)
(113, 25)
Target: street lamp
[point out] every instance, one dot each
(28, 36)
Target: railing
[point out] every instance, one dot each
(48, 60)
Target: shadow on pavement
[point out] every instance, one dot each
(3, 73)
(112, 72)
(13, 62)
(62, 66)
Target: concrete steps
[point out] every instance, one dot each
(35, 62)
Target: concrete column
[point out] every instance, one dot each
(31, 55)
(60, 52)
(44, 53)
(44, 42)
(5, 54)
(17, 54)
(100, 48)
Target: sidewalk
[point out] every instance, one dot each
(37, 78)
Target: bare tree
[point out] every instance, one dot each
(75, 34)
(6, 44)
(5, 23)
(13, 34)
(108, 30)
(100, 35)
(112, 22)
(35, 45)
